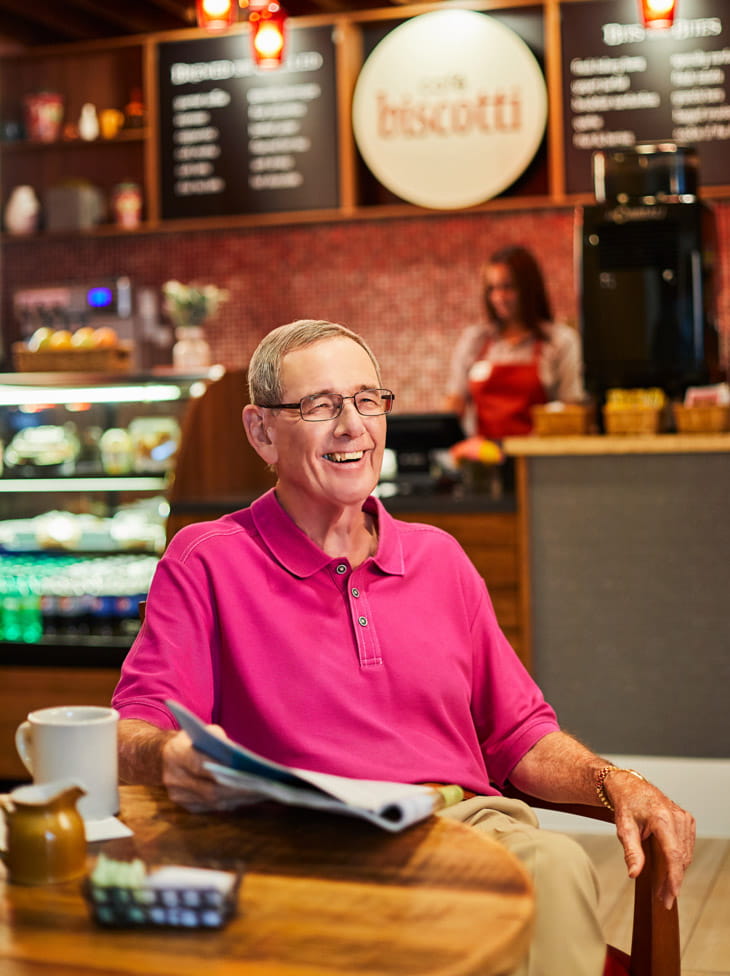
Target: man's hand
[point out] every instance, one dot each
(642, 810)
(190, 784)
(562, 769)
(157, 757)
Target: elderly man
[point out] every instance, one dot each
(322, 633)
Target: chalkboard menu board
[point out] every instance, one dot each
(623, 84)
(235, 139)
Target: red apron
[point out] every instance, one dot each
(503, 394)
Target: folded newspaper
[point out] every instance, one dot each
(392, 806)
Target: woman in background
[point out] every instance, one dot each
(518, 359)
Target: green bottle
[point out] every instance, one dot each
(10, 607)
(30, 622)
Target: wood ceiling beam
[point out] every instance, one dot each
(184, 10)
(137, 17)
(19, 30)
(60, 19)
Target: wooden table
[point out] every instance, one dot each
(323, 895)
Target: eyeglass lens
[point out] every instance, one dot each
(325, 406)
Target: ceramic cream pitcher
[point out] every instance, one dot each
(46, 839)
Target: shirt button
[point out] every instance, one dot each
(363, 621)
(341, 569)
(355, 591)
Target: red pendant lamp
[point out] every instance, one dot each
(266, 19)
(658, 14)
(216, 15)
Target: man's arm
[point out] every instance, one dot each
(164, 757)
(561, 769)
(140, 752)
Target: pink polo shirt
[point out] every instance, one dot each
(395, 670)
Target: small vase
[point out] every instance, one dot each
(88, 122)
(22, 211)
(191, 351)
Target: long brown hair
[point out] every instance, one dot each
(533, 302)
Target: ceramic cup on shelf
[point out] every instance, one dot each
(77, 742)
(111, 121)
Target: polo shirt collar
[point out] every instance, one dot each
(296, 552)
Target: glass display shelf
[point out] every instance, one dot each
(69, 483)
(49, 389)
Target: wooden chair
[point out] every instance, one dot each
(655, 936)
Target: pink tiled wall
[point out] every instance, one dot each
(408, 285)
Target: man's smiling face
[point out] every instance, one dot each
(331, 462)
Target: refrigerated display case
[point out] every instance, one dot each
(87, 461)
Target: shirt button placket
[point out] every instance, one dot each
(362, 620)
(367, 642)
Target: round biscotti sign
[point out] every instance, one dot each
(449, 109)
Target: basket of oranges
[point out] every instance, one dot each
(87, 350)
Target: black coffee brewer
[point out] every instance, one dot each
(646, 257)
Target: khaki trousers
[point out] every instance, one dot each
(567, 938)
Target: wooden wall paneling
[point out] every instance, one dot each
(24, 689)
(498, 528)
(348, 46)
(553, 77)
(151, 202)
(497, 564)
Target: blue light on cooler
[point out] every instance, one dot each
(100, 297)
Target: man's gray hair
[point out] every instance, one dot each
(264, 369)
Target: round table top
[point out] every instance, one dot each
(322, 895)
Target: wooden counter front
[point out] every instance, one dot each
(23, 689)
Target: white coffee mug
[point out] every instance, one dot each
(77, 742)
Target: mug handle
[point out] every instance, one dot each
(22, 744)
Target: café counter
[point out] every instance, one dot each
(624, 576)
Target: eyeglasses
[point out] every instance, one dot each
(327, 406)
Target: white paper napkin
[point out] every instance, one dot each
(107, 829)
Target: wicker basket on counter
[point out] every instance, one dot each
(632, 419)
(562, 420)
(117, 359)
(705, 418)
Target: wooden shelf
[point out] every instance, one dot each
(105, 72)
(59, 145)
